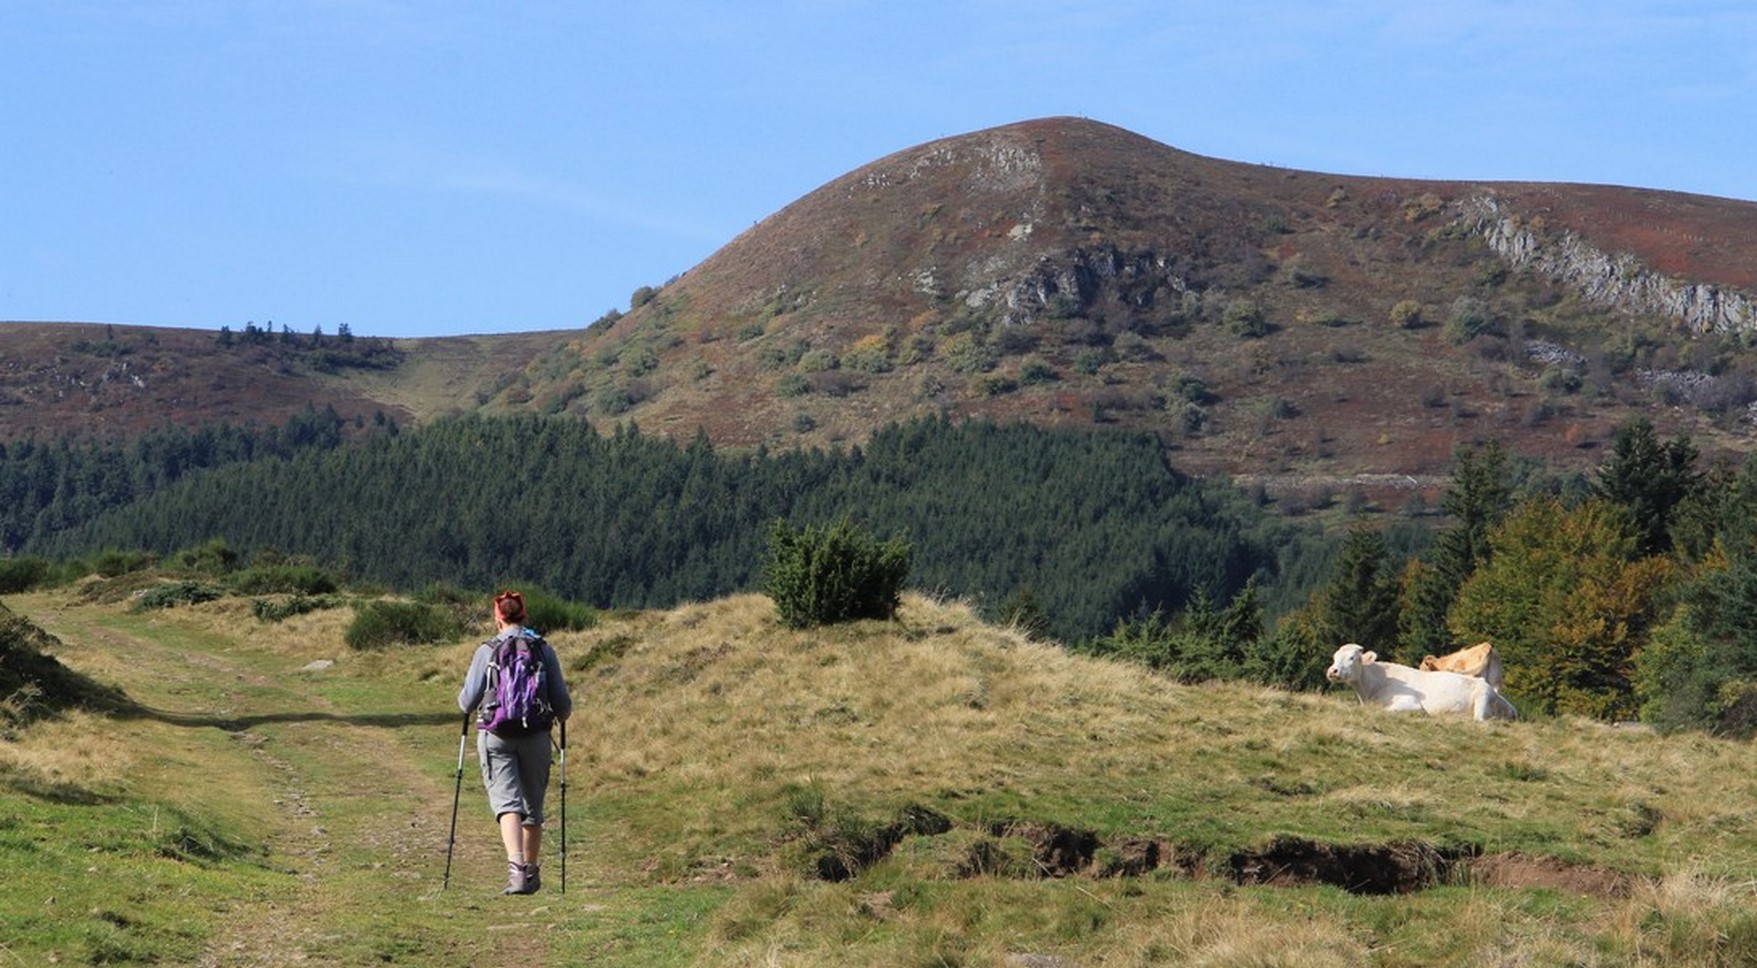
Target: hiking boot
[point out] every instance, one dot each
(533, 878)
(516, 883)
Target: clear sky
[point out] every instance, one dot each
(438, 167)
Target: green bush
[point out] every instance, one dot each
(112, 562)
(210, 558)
(548, 613)
(177, 593)
(1244, 318)
(21, 574)
(836, 573)
(1469, 318)
(384, 623)
(269, 610)
(283, 579)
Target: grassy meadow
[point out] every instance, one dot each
(929, 791)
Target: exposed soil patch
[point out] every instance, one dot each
(1518, 870)
(1394, 868)
(1398, 867)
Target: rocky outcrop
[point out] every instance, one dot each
(1066, 284)
(1620, 281)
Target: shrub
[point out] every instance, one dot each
(547, 612)
(283, 579)
(1470, 317)
(1244, 318)
(271, 610)
(995, 385)
(211, 558)
(870, 354)
(112, 562)
(818, 361)
(836, 573)
(21, 574)
(967, 353)
(176, 593)
(383, 623)
(1406, 314)
(1035, 371)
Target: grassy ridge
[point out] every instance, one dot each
(257, 813)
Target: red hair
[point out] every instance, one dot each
(510, 606)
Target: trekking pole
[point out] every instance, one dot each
(564, 805)
(456, 795)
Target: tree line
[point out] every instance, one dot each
(1629, 593)
(50, 487)
(1085, 526)
(1632, 595)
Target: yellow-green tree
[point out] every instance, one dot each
(1568, 600)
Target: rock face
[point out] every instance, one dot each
(1619, 281)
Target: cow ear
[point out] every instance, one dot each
(1369, 657)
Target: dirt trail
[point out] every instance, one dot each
(350, 799)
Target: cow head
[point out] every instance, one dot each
(1345, 665)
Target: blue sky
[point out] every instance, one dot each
(440, 167)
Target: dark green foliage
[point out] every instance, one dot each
(177, 593)
(1293, 657)
(211, 558)
(21, 574)
(547, 612)
(1360, 602)
(112, 562)
(283, 579)
(1651, 479)
(1202, 643)
(1699, 667)
(386, 623)
(1022, 611)
(270, 610)
(1479, 498)
(1097, 524)
(46, 488)
(821, 575)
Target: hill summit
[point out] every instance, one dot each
(1291, 328)
(1264, 321)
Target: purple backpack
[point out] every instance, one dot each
(517, 699)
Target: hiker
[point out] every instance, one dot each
(512, 738)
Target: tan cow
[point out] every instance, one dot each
(1480, 660)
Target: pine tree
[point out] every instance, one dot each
(1360, 603)
(1479, 497)
(1650, 479)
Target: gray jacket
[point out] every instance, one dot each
(476, 680)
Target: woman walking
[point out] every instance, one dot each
(515, 680)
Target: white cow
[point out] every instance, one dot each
(1401, 688)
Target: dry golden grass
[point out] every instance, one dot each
(701, 733)
(84, 751)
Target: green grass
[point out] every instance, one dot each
(257, 813)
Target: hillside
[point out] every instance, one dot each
(1065, 271)
(1295, 328)
(928, 791)
(115, 381)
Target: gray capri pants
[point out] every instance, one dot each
(515, 771)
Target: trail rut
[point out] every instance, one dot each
(352, 804)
